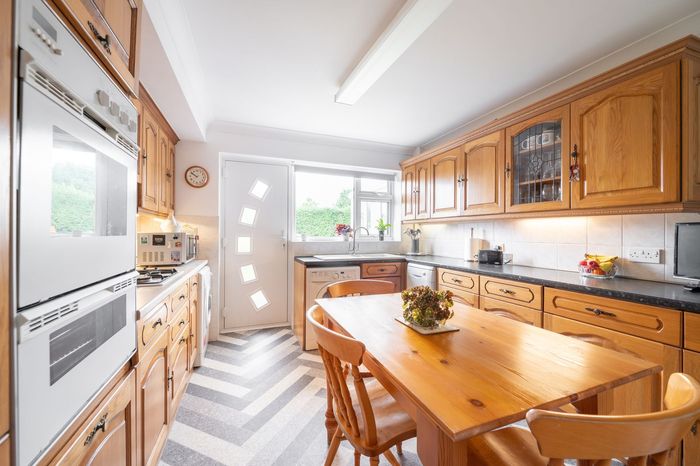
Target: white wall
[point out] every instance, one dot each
(560, 243)
(202, 207)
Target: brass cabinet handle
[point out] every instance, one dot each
(182, 340)
(157, 323)
(506, 291)
(601, 312)
(507, 170)
(182, 322)
(182, 297)
(99, 426)
(104, 40)
(457, 280)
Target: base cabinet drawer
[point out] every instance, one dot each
(381, 269)
(524, 294)
(692, 332)
(150, 327)
(691, 442)
(108, 437)
(634, 397)
(511, 311)
(460, 280)
(461, 296)
(653, 323)
(152, 402)
(179, 298)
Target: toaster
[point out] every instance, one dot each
(490, 256)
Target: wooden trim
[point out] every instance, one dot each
(674, 207)
(666, 54)
(6, 113)
(148, 101)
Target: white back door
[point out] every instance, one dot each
(256, 209)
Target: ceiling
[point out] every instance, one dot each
(279, 64)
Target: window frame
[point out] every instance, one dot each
(357, 196)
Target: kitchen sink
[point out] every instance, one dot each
(336, 257)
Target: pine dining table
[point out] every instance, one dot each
(486, 375)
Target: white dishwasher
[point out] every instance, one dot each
(420, 275)
(317, 281)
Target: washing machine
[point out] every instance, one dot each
(317, 281)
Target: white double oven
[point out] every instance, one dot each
(75, 242)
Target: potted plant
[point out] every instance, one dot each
(382, 227)
(344, 230)
(425, 307)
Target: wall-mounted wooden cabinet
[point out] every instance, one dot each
(482, 169)
(537, 163)
(156, 160)
(408, 192)
(110, 29)
(627, 141)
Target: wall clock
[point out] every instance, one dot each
(197, 176)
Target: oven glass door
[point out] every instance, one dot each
(67, 350)
(77, 202)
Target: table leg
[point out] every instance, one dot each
(435, 447)
(331, 423)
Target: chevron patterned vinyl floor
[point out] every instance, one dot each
(257, 400)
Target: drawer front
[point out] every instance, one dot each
(178, 324)
(461, 296)
(511, 311)
(692, 332)
(524, 294)
(381, 269)
(109, 433)
(634, 397)
(179, 298)
(654, 323)
(153, 325)
(463, 281)
(691, 441)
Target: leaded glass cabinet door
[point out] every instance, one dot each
(537, 163)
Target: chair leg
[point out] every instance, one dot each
(357, 458)
(374, 461)
(399, 448)
(333, 448)
(392, 459)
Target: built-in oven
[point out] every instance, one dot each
(77, 165)
(67, 349)
(75, 249)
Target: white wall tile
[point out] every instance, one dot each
(642, 271)
(604, 249)
(606, 229)
(569, 255)
(643, 230)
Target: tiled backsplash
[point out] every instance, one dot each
(560, 243)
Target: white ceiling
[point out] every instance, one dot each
(279, 63)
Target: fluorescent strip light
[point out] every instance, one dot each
(413, 19)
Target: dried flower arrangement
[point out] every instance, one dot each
(426, 307)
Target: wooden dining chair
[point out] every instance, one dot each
(367, 415)
(641, 439)
(360, 287)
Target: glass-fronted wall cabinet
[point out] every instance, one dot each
(537, 163)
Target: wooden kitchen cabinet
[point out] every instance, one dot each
(422, 191)
(636, 397)
(388, 271)
(511, 311)
(691, 442)
(482, 168)
(627, 141)
(153, 401)
(520, 293)
(537, 163)
(408, 192)
(180, 368)
(110, 29)
(445, 181)
(157, 159)
(108, 436)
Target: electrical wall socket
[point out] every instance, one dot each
(648, 255)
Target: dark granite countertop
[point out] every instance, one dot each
(640, 291)
(313, 261)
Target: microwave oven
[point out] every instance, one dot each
(166, 248)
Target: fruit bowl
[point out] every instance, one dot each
(597, 266)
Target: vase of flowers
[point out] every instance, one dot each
(425, 307)
(344, 230)
(382, 227)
